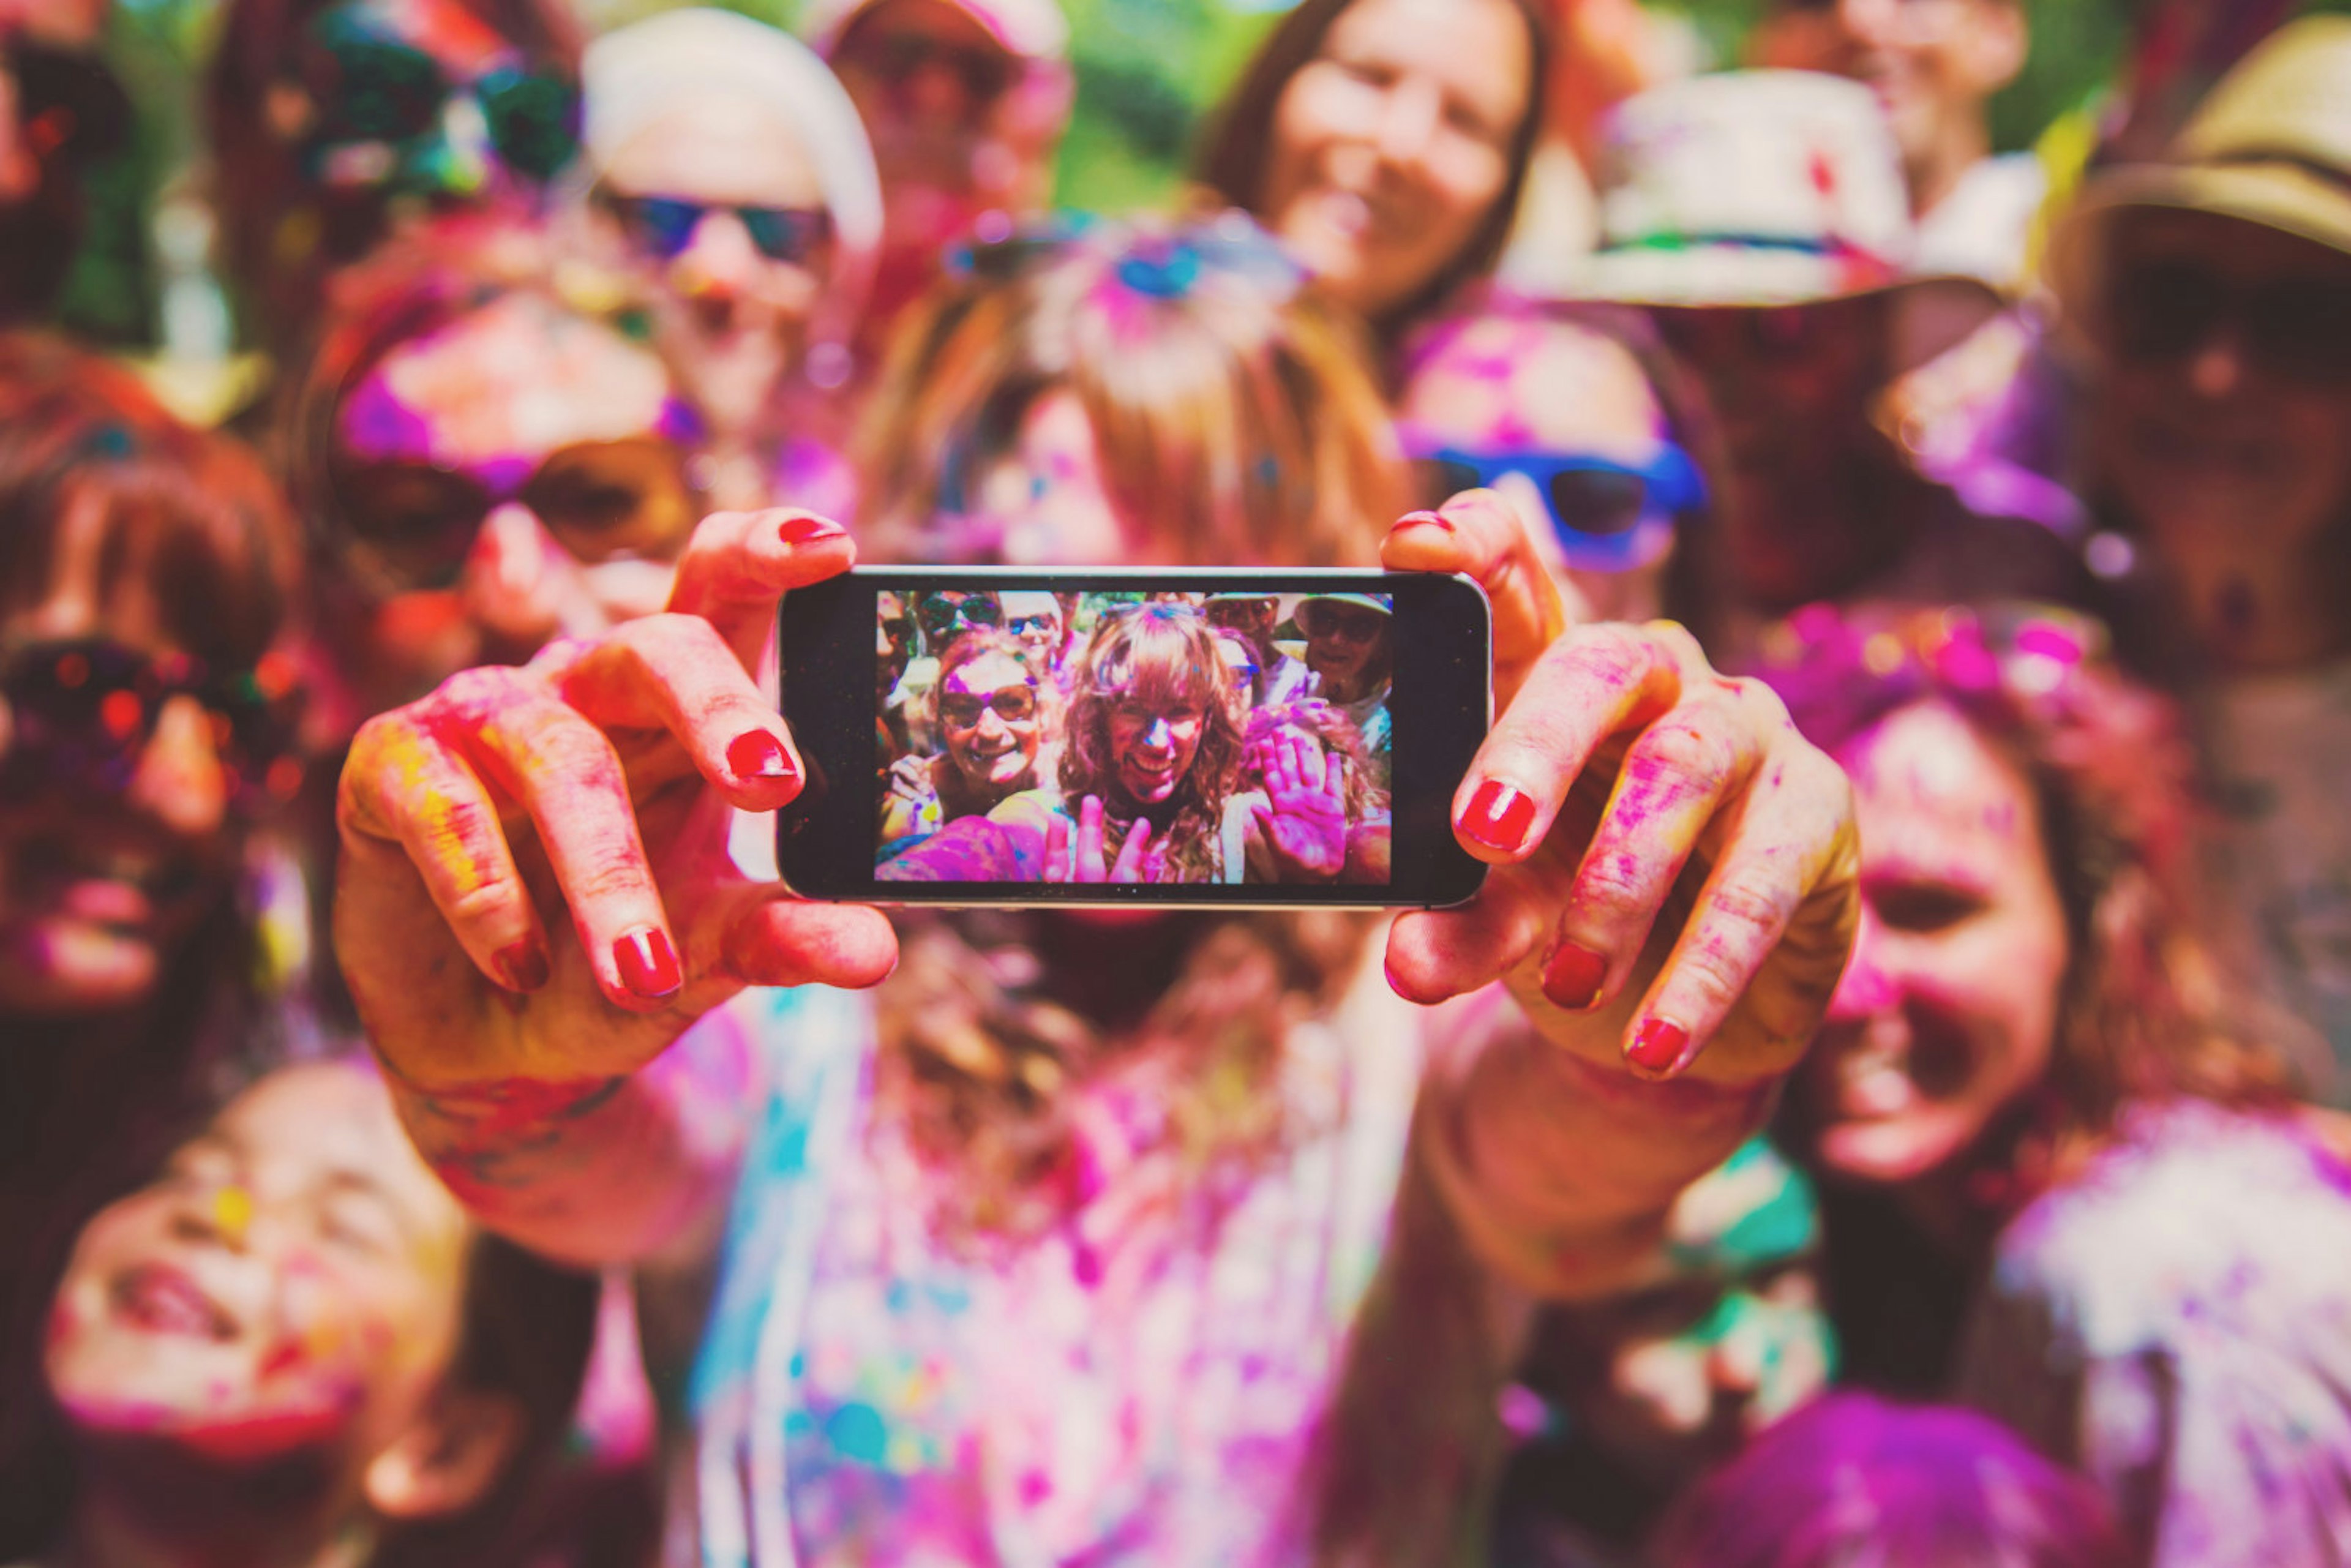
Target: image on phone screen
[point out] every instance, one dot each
(1188, 737)
(1176, 736)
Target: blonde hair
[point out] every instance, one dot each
(1235, 416)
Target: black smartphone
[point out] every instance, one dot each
(1227, 739)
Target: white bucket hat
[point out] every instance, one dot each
(1754, 189)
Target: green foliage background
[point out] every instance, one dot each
(1149, 71)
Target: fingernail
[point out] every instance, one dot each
(1499, 816)
(1427, 520)
(1572, 977)
(805, 530)
(756, 754)
(522, 966)
(648, 966)
(1658, 1046)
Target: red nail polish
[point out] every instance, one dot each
(807, 530)
(1658, 1046)
(1499, 816)
(756, 754)
(522, 966)
(1572, 977)
(1427, 520)
(648, 966)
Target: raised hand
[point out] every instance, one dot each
(535, 882)
(1674, 865)
(1303, 817)
(1082, 857)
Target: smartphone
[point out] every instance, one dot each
(1218, 738)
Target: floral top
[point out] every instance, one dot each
(1140, 1387)
(2177, 1322)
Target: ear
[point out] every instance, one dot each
(448, 1460)
(1998, 38)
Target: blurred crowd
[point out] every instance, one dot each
(1888, 1106)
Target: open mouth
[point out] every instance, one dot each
(163, 1300)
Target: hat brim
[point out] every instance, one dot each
(1938, 311)
(2280, 196)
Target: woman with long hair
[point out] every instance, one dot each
(151, 604)
(2037, 1093)
(1386, 142)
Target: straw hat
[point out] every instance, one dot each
(2271, 145)
(1754, 189)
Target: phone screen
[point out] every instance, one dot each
(1124, 738)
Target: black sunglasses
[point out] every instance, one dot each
(410, 526)
(376, 89)
(85, 710)
(664, 225)
(2297, 329)
(942, 617)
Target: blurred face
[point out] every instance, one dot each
(1947, 1010)
(719, 201)
(1045, 504)
(419, 98)
(894, 642)
(1554, 389)
(1932, 63)
(291, 1283)
(1151, 745)
(510, 477)
(989, 714)
(2225, 426)
(1036, 620)
(1791, 386)
(1694, 1370)
(1347, 645)
(1391, 148)
(116, 838)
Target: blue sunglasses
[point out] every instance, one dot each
(664, 225)
(1609, 516)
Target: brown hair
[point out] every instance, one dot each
(1232, 161)
(193, 511)
(2147, 1013)
(1235, 418)
(1157, 655)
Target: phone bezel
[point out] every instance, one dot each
(1441, 703)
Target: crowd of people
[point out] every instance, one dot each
(1886, 1103)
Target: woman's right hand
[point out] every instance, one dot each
(535, 881)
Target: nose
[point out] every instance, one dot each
(1161, 735)
(1867, 986)
(181, 781)
(2217, 369)
(1409, 121)
(719, 261)
(1734, 1366)
(222, 1216)
(513, 584)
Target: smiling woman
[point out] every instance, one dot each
(148, 576)
(1386, 142)
(2035, 1089)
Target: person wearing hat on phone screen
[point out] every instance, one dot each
(1351, 649)
(1762, 219)
(2210, 294)
(1275, 677)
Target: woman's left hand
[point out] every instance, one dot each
(1303, 813)
(1620, 761)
